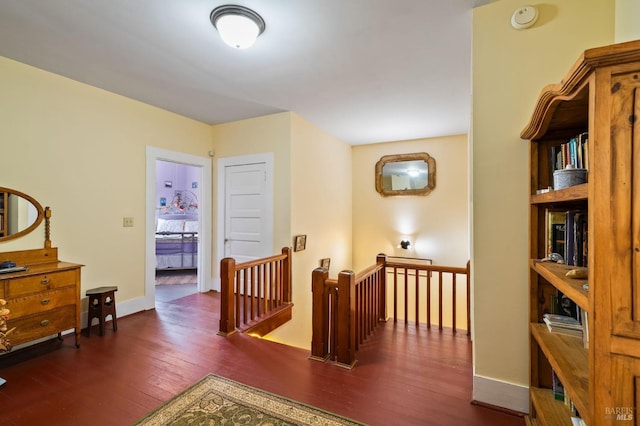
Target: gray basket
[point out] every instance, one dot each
(569, 177)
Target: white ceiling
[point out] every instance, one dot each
(363, 70)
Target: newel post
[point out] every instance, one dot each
(227, 305)
(346, 322)
(286, 279)
(381, 259)
(320, 315)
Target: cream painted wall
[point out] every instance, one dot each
(81, 151)
(436, 225)
(321, 209)
(627, 20)
(510, 68)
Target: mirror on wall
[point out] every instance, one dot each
(19, 214)
(406, 174)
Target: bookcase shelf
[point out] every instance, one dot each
(569, 359)
(550, 411)
(555, 273)
(593, 108)
(573, 193)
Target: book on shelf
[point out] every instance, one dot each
(577, 421)
(574, 152)
(580, 238)
(562, 321)
(555, 231)
(557, 388)
(563, 324)
(585, 329)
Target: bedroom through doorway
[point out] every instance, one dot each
(176, 230)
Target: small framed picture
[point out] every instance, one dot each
(194, 184)
(168, 184)
(324, 263)
(300, 243)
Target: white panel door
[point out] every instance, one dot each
(245, 212)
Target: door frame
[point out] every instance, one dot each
(221, 165)
(204, 218)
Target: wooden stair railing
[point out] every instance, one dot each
(255, 296)
(422, 277)
(347, 311)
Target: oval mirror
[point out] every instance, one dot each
(406, 174)
(19, 214)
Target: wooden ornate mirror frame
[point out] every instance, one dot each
(420, 156)
(42, 214)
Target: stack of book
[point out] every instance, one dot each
(575, 152)
(563, 324)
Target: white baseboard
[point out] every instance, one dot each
(501, 394)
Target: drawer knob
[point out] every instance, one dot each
(45, 301)
(44, 323)
(45, 281)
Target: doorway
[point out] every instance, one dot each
(177, 222)
(182, 201)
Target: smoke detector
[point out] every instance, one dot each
(524, 17)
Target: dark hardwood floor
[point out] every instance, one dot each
(406, 376)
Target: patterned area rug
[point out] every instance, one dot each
(215, 400)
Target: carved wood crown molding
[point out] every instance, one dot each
(573, 83)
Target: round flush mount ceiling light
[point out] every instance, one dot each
(524, 17)
(238, 26)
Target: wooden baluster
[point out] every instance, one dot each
(406, 296)
(245, 294)
(428, 298)
(395, 294)
(453, 301)
(271, 284)
(227, 314)
(417, 272)
(254, 301)
(382, 309)
(263, 289)
(239, 279)
(440, 300)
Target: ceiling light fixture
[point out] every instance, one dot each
(238, 26)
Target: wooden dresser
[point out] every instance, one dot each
(44, 300)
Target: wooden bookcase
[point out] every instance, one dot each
(600, 95)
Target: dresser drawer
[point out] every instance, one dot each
(37, 283)
(42, 302)
(42, 325)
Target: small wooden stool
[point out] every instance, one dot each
(102, 302)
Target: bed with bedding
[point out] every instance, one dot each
(177, 236)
